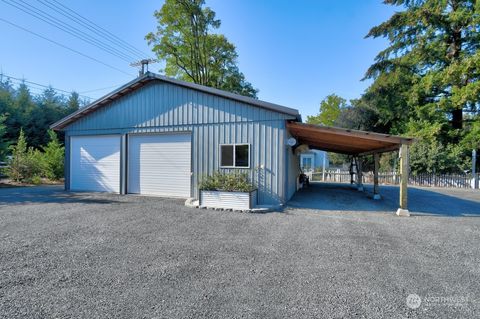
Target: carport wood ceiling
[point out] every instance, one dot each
(345, 141)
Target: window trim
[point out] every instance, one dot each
(233, 155)
(310, 156)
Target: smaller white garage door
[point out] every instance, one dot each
(159, 164)
(95, 163)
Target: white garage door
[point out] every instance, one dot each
(159, 164)
(95, 163)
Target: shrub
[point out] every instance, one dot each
(52, 158)
(37, 180)
(229, 182)
(25, 162)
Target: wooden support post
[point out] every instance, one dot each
(359, 175)
(403, 210)
(352, 172)
(323, 168)
(376, 159)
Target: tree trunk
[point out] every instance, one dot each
(455, 48)
(457, 119)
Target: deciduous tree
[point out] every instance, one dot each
(184, 39)
(330, 109)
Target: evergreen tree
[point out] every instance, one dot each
(53, 158)
(19, 112)
(4, 143)
(426, 80)
(73, 103)
(18, 164)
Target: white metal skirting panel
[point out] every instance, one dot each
(95, 163)
(228, 200)
(159, 164)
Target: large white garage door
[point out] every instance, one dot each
(95, 163)
(159, 164)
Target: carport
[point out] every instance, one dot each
(358, 144)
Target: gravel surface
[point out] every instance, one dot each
(65, 255)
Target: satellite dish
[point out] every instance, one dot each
(291, 141)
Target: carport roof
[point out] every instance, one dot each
(345, 141)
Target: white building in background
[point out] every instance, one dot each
(314, 160)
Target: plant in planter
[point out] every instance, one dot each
(228, 190)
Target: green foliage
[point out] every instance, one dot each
(16, 165)
(52, 159)
(471, 139)
(426, 82)
(330, 109)
(3, 142)
(229, 182)
(37, 180)
(30, 165)
(33, 113)
(429, 154)
(25, 162)
(336, 159)
(389, 162)
(184, 40)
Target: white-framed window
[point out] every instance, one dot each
(307, 162)
(235, 155)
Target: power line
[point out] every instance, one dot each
(79, 19)
(41, 85)
(55, 22)
(103, 30)
(101, 89)
(64, 46)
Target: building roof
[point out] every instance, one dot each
(345, 141)
(149, 77)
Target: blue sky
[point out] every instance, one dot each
(294, 52)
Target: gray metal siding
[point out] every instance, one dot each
(66, 163)
(212, 120)
(292, 171)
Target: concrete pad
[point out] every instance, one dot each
(403, 212)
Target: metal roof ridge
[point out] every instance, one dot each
(150, 76)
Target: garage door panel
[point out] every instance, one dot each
(159, 164)
(95, 163)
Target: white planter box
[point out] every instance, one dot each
(228, 200)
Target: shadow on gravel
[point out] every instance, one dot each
(421, 201)
(47, 194)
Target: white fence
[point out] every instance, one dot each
(432, 180)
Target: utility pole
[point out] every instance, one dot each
(144, 65)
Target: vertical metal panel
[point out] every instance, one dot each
(293, 170)
(66, 162)
(213, 120)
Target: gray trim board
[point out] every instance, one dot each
(66, 163)
(123, 164)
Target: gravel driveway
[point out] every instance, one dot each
(65, 255)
